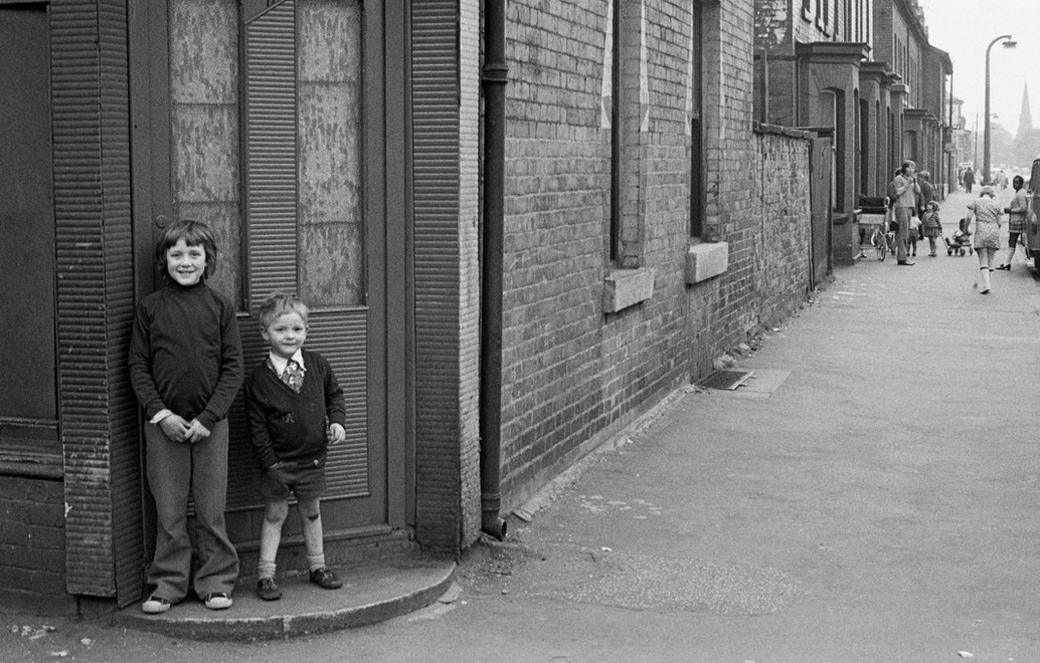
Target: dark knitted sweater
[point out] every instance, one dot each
(185, 353)
(289, 426)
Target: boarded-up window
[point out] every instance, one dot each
(28, 402)
(302, 177)
(329, 126)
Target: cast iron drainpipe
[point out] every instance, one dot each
(494, 76)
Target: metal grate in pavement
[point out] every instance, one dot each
(725, 379)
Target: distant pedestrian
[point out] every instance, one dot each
(1002, 180)
(296, 410)
(969, 179)
(986, 213)
(186, 369)
(1016, 212)
(904, 191)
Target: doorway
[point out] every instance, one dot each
(251, 117)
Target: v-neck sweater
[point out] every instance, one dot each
(289, 426)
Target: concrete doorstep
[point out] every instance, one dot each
(371, 593)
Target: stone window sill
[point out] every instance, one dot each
(706, 260)
(627, 287)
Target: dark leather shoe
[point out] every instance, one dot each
(1004, 267)
(325, 578)
(267, 590)
(907, 263)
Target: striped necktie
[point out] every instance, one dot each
(293, 376)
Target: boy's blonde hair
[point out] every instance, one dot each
(194, 233)
(277, 305)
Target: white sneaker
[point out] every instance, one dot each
(155, 605)
(217, 601)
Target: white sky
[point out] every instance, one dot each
(963, 28)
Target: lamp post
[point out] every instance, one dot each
(1008, 43)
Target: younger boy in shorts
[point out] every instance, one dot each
(295, 409)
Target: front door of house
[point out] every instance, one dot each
(251, 117)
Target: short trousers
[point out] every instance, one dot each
(305, 482)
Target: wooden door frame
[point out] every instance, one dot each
(385, 171)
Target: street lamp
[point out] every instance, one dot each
(1008, 43)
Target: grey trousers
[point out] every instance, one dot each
(175, 471)
(903, 218)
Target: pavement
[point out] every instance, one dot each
(869, 493)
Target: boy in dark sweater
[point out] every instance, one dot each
(295, 409)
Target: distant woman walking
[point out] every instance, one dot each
(987, 233)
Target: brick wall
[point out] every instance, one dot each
(556, 216)
(783, 217)
(570, 371)
(572, 374)
(883, 13)
(723, 316)
(32, 544)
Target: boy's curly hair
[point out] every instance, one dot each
(278, 304)
(194, 233)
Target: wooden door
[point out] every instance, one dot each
(266, 114)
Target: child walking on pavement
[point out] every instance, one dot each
(295, 409)
(186, 369)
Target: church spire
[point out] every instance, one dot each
(1025, 118)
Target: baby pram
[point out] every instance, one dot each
(961, 240)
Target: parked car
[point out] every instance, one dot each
(1032, 222)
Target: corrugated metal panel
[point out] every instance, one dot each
(94, 295)
(124, 448)
(270, 149)
(77, 211)
(341, 336)
(435, 173)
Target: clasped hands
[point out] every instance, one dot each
(179, 430)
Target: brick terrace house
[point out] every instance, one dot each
(863, 69)
(519, 225)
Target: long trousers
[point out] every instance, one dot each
(903, 219)
(177, 470)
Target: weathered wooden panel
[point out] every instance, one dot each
(207, 166)
(329, 125)
(331, 263)
(203, 52)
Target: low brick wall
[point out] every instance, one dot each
(782, 211)
(32, 545)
